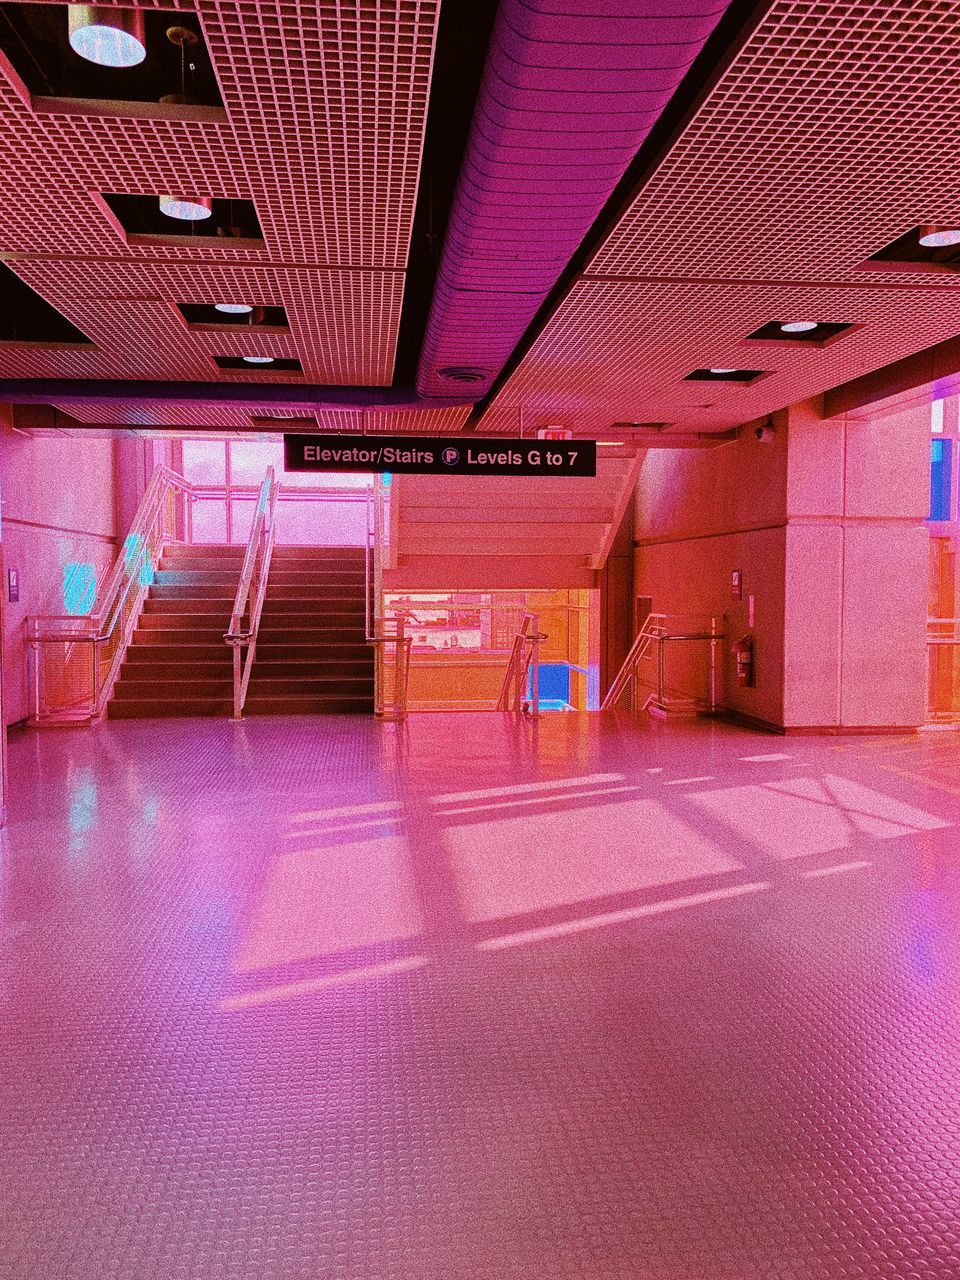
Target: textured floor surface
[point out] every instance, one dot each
(464, 999)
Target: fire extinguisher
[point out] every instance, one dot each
(743, 653)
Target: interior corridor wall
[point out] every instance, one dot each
(59, 508)
(701, 514)
(825, 522)
(858, 496)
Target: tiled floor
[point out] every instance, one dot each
(334, 1000)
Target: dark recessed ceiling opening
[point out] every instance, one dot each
(260, 364)
(929, 247)
(742, 376)
(206, 316)
(142, 218)
(808, 332)
(289, 421)
(26, 317)
(175, 72)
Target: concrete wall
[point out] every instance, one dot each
(857, 559)
(826, 524)
(700, 515)
(58, 506)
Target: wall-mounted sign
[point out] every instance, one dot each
(13, 585)
(437, 455)
(736, 584)
(554, 433)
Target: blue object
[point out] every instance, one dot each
(554, 690)
(941, 460)
(79, 587)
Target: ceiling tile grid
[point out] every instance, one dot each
(326, 106)
(620, 350)
(824, 141)
(227, 417)
(342, 324)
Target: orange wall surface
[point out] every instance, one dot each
(699, 515)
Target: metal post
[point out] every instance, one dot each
(713, 664)
(535, 669)
(660, 672)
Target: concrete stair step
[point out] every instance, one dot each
(187, 605)
(339, 554)
(269, 651)
(148, 650)
(321, 592)
(315, 634)
(333, 669)
(225, 593)
(160, 629)
(195, 578)
(155, 708)
(270, 705)
(135, 670)
(353, 686)
(176, 689)
(278, 605)
(352, 578)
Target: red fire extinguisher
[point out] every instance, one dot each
(743, 653)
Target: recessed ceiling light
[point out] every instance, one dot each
(259, 359)
(232, 308)
(723, 371)
(799, 326)
(109, 37)
(940, 239)
(192, 209)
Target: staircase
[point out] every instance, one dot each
(477, 532)
(312, 654)
(178, 663)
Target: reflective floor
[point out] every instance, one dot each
(472, 998)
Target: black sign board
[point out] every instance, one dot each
(441, 456)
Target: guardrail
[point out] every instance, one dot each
(649, 689)
(523, 670)
(251, 590)
(76, 658)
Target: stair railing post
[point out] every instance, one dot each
(535, 668)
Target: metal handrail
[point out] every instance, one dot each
(253, 578)
(656, 632)
(387, 635)
(523, 666)
(391, 678)
(118, 604)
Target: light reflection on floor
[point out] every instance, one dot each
(478, 998)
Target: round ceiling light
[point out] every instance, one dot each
(109, 37)
(184, 209)
(799, 326)
(940, 239)
(233, 308)
(259, 359)
(722, 371)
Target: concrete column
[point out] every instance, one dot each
(855, 598)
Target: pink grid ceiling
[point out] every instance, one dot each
(825, 139)
(326, 104)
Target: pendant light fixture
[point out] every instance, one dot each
(109, 37)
